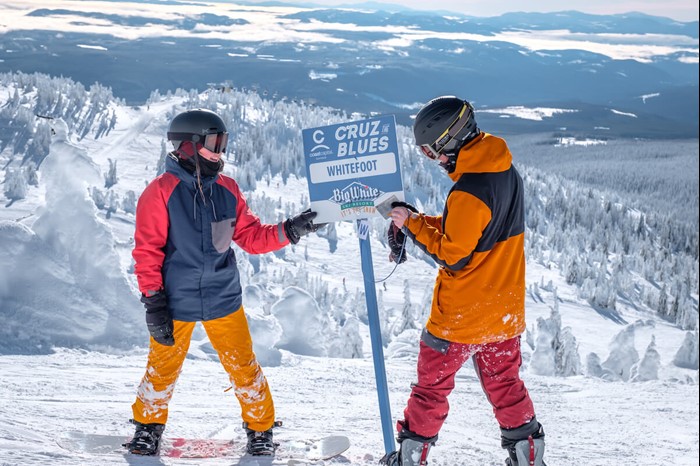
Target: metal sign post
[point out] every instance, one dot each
(375, 334)
(353, 172)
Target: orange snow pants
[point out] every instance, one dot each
(230, 337)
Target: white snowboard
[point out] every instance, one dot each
(297, 452)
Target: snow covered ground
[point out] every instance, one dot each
(589, 421)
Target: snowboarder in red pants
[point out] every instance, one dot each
(478, 308)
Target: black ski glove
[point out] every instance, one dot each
(397, 242)
(396, 237)
(404, 204)
(301, 225)
(158, 319)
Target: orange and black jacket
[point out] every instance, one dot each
(478, 242)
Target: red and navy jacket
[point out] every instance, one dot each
(183, 242)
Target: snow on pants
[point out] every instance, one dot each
(497, 366)
(230, 337)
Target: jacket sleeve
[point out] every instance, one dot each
(467, 218)
(253, 236)
(151, 235)
(434, 221)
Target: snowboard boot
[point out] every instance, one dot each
(260, 443)
(413, 451)
(525, 444)
(146, 439)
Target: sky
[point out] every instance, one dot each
(681, 10)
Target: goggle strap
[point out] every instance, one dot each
(454, 129)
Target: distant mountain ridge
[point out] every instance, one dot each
(369, 60)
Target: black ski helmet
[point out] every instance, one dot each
(444, 125)
(195, 125)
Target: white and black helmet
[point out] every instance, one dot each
(444, 125)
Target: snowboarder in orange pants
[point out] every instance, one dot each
(187, 273)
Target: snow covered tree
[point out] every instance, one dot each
(111, 203)
(38, 148)
(15, 184)
(542, 361)
(32, 175)
(594, 368)
(330, 233)
(567, 359)
(648, 367)
(160, 168)
(111, 175)
(556, 350)
(98, 197)
(129, 202)
(405, 319)
(687, 354)
(306, 328)
(623, 354)
(350, 339)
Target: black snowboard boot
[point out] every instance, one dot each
(525, 444)
(260, 443)
(413, 451)
(146, 440)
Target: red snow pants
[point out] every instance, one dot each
(497, 366)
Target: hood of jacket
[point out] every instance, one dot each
(485, 153)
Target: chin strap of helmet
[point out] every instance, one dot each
(198, 170)
(451, 162)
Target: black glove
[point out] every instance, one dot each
(158, 319)
(397, 240)
(301, 225)
(404, 204)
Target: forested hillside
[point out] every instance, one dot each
(617, 220)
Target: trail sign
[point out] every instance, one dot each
(354, 173)
(352, 167)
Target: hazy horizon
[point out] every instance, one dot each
(679, 10)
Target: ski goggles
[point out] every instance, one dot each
(215, 142)
(429, 152)
(433, 151)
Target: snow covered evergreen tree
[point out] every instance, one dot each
(594, 368)
(556, 350)
(687, 354)
(567, 359)
(648, 367)
(15, 184)
(405, 320)
(542, 361)
(111, 176)
(623, 354)
(349, 340)
(129, 202)
(32, 175)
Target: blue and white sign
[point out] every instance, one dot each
(352, 167)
